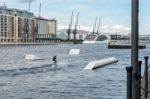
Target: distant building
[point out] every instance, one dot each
(19, 26)
(16, 25)
(46, 28)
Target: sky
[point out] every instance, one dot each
(115, 15)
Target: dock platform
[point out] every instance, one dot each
(124, 46)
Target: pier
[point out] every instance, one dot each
(124, 46)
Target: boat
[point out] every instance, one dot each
(96, 38)
(113, 38)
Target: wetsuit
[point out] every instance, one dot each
(54, 59)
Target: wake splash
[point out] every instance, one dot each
(32, 70)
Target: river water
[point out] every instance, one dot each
(24, 79)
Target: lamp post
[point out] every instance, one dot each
(134, 49)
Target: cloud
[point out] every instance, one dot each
(104, 27)
(59, 1)
(127, 28)
(62, 27)
(121, 29)
(115, 14)
(86, 28)
(26, 1)
(117, 27)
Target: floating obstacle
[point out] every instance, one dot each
(100, 63)
(74, 52)
(32, 57)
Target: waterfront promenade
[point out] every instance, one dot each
(36, 43)
(53, 42)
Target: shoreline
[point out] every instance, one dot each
(49, 43)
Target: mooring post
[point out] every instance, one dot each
(134, 49)
(129, 82)
(146, 76)
(139, 71)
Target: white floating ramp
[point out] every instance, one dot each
(100, 63)
(74, 52)
(32, 57)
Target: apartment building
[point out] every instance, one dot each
(16, 25)
(19, 26)
(46, 28)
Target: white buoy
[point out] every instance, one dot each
(100, 63)
(32, 57)
(74, 52)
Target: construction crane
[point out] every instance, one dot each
(75, 29)
(4, 4)
(70, 26)
(30, 1)
(98, 28)
(27, 1)
(94, 25)
(40, 10)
